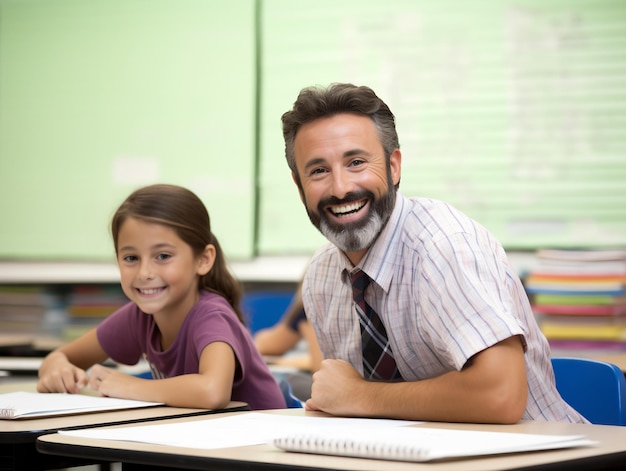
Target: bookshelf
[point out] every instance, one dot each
(579, 299)
(63, 299)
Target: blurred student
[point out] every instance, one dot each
(283, 337)
(280, 342)
(183, 318)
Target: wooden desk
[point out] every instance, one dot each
(18, 437)
(609, 454)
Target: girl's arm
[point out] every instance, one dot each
(63, 370)
(211, 388)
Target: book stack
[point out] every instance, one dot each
(579, 298)
(88, 305)
(22, 308)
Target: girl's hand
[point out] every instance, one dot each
(58, 375)
(111, 383)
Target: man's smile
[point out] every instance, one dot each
(344, 210)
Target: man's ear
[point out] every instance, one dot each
(395, 163)
(206, 260)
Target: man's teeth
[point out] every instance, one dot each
(348, 208)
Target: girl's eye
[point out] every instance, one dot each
(163, 256)
(129, 258)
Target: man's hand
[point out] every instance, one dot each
(335, 388)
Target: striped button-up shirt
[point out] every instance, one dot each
(444, 289)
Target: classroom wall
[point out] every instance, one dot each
(513, 111)
(99, 97)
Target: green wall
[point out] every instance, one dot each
(99, 97)
(514, 111)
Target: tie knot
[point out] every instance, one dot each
(360, 281)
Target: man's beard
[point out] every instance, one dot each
(358, 235)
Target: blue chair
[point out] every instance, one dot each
(596, 389)
(265, 308)
(292, 401)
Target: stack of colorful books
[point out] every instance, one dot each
(22, 308)
(579, 298)
(88, 305)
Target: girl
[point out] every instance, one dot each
(183, 317)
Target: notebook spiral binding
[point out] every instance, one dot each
(7, 412)
(360, 448)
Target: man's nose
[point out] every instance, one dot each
(342, 183)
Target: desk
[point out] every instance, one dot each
(18, 437)
(611, 452)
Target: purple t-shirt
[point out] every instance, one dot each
(129, 334)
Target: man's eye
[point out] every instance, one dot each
(356, 162)
(318, 171)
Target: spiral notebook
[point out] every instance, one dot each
(422, 444)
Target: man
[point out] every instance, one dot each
(459, 340)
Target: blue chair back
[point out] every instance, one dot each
(265, 308)
(292, 401)
(596, 389)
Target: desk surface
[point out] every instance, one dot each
(27, 430)
(611, 451)
(18, 437)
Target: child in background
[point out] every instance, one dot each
(183, 318)
(285, 335)
(280, 341)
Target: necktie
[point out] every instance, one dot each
(378, 361)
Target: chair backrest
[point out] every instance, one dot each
(292, 401)
(596, 389)
(265, 308)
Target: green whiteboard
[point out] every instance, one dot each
(99, 97)
(513, 111)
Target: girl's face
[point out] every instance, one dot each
(158, 270)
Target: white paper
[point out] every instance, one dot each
(23, 404)
(252, 428)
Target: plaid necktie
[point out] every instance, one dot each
(378, 361)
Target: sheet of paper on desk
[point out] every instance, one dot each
(28, 405)
(254, 428)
